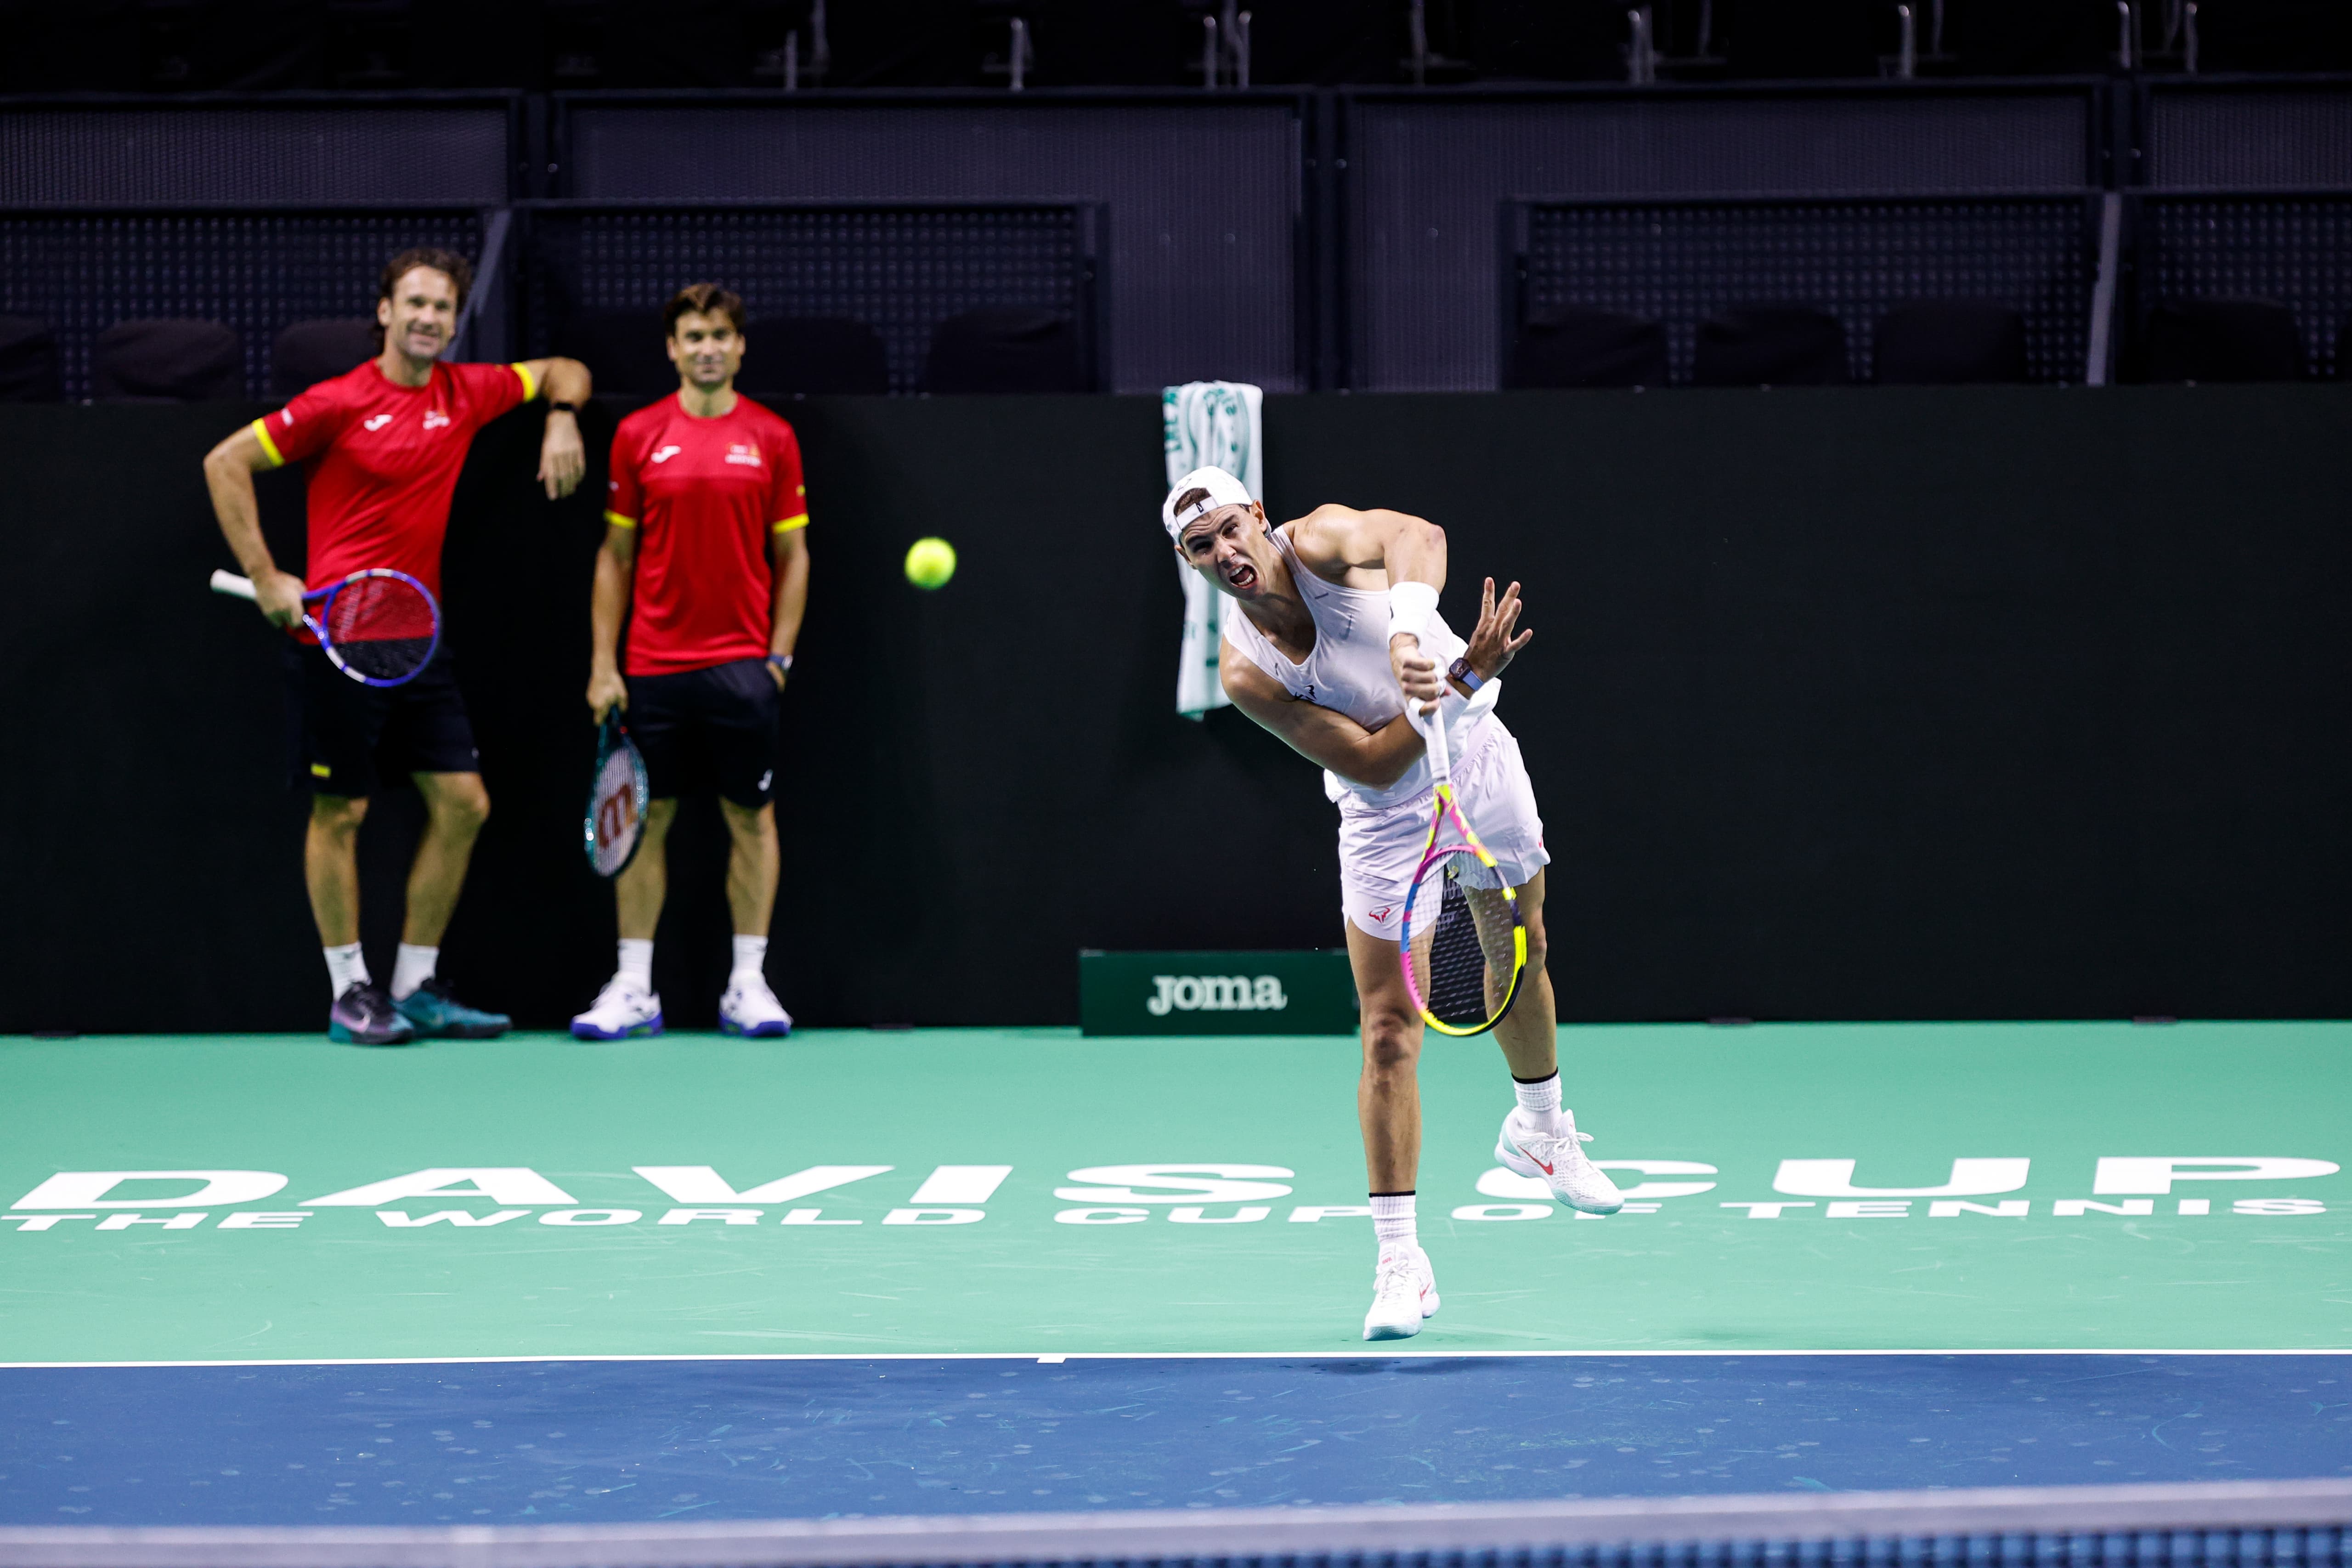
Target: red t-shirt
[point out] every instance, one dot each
(382, 461)
(706, 496)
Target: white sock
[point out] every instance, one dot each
(1393, 1224)
(637, 962)
(346, 967)
(1540, 1100)
(412, 969)
(751, 958)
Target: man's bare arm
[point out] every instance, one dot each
(789, 551)
(1329, 739)
(617, 564)
(563, 458)
(229, 468)
(1411, 552)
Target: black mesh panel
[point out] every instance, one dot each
(901, 270)
(2296, 249)
(257, 272)
(1679, 262)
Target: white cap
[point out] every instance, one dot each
(1223, 490)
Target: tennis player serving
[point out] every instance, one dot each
(1339, 633)
(381, 447)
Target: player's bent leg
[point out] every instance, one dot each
(455, 806)
(750, 1007)
(1388, 1107)
(1539, 1136)
(629, 1006)
(361, 1012)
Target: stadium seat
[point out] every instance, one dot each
(28, 361)
(622, 349)
(309, 352)
(1004, 349)
(1577, 347)
(2222, 339)
(1771, 346)
(167, 362)
(1945, 342)
(800, 355)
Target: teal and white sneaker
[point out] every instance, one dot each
(620, 1012)
(1554, 1156)
(435, 1014)
(751, 1008)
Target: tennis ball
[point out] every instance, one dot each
(930, 562)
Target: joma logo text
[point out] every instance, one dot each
(1215, 994)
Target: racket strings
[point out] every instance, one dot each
(1460, 941)
(382, 626)
(616, 808)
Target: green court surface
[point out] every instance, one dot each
(583, 1264)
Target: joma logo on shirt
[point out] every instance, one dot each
(666, 453)
(1215, 994)
(376, 421)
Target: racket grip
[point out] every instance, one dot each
(234, 586)
(1441, 759)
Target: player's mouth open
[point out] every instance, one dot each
(1242, 574)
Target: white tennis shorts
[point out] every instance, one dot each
(1379, 847)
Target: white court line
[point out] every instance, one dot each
(1061, 1357)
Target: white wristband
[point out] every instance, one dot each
(1410, 607)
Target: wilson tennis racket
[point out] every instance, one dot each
(1463, 946)
(616, 800)
(380, 627)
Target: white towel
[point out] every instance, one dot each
(1209, 424)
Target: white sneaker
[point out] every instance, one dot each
(1404, 1291)
(619, 1012)
(751, 1008)
(1556, 1158)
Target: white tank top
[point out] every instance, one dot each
(1347, 669)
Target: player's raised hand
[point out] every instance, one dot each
(280, 595)
(1492, 646)
(563, 458)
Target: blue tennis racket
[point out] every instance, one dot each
(381, 627)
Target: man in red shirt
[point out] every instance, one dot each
(706, 546)
(381, 447)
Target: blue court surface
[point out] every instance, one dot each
(615, 1441)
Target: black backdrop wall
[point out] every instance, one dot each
(1843, 704)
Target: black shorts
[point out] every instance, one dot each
(347, 739)
(704, 727)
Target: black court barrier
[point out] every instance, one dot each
(457, 148)
(256, 270)
(1844, 703)
(1205, 247)
(1422, 174)
(900, 267)
(2227, 1524)
(1680, 260)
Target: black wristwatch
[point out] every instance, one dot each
(1460, 670)
(571, 409)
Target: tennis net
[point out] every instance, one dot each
(2250, 1525)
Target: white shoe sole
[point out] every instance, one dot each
(1518, 1164)
(1391, 1331)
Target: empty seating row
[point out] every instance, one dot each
(994, 350)
(1928, 342)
